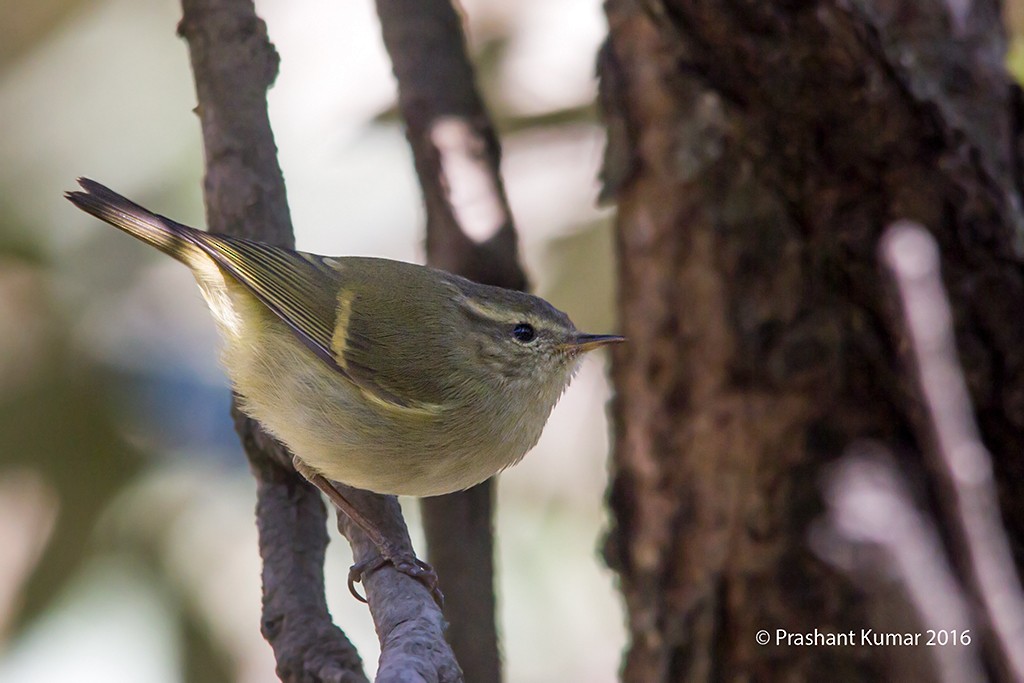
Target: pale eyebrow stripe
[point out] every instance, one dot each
(481, 312)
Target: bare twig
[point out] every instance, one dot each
(956, 454)
(870, 503)
(409, 625)
(234, 64)
(470, 232)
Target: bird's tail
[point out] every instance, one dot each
(166, 235)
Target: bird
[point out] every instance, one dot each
(387, 376)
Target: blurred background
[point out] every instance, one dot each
(126, 508)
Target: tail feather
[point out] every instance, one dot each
(168, 236)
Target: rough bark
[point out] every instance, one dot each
(756, 152)
(469, 232)
(234, 64)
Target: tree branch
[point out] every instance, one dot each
(470, 232)
(234, 64)
(870, 503)
(457, 154)
(409, 624)
(956, 456)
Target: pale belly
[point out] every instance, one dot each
(325, 420)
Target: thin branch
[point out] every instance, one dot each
(456, 151)
(469, 231)
(409, 624)
(869, 503)
(956, 456)
(234, 64)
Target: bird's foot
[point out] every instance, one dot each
(406, 563)
(402, 560)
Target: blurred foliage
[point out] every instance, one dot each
(203, 661)
(1013, 11)
(57, 423)
(1015, 58)
(571, 259)
(26, 24)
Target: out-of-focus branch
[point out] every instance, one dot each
(956, 455)
(470, 232)
(870, 503)
(457, 154)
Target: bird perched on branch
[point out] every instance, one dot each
(382, 375)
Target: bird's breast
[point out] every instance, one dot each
(326, 420)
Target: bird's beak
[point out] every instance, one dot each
(588, 342)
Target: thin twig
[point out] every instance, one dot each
(956, 454)
(408, 622)
(869, 503)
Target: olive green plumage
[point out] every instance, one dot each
(387, 376)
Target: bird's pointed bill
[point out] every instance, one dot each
(589, 342)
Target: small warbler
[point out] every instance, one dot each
(386, 376)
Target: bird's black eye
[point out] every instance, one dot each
(524, 332)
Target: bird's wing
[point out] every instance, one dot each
(298, 289)
(309, 294)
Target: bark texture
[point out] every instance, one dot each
(756, 152)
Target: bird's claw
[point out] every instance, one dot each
(407, 564)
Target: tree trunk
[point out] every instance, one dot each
(756, 152)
